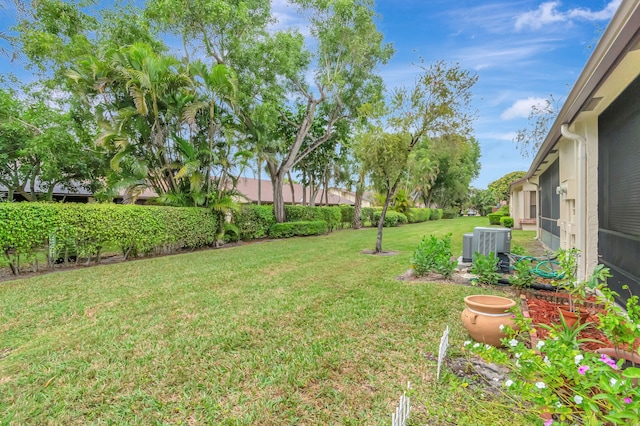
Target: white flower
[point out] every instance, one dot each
(495, 379)
(613, 381)
(559, 404)
(501, 327)
(508, 383)
(577, 359)
(476, 345)
(539, 344)
(540, 385)
(518, 363)
(487, 346)
(513, 343)
(578, 399)
(518, 355)
(547, 362)
(467, 342)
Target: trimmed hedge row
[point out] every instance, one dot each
(255, 221)
(392, 218)
(494, 218)
(417, 215)
(86, 228)
(506, 221)
(300, 228)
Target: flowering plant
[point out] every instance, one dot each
(556, 377)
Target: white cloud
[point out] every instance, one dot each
(549, 13)
(522, 108)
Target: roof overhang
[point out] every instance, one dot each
(621, 37)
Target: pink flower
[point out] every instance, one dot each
(583, 369)
(513, 317)
(610, 362)
(628, 400)
(548, 422)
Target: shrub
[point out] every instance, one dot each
(450, 214)
(254, 221)
(486, 268)
(503, 210)
(83, 229)
(392, 218)
(419, 215)
(331, 215)
(506, 221)
(494, 218)
(434, 214)
(433, 255)
(346, 215)
(366, 215)
(523, 276)
(302, 228)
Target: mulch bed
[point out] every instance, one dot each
(543, 311)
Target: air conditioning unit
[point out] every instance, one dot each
(467, 248)
(491, 240)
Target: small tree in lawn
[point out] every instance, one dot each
(438, 105)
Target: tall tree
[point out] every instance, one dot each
(438, 104)
(541, 117)
(500, 187)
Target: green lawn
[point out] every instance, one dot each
(301, 331)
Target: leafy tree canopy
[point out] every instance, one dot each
(500, 187)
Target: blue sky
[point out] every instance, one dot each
(522, 51)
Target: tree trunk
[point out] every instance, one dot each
(293, 193)
(357, 208)
(304, 190)
(381, 222)
(259, 181)
(278, 198)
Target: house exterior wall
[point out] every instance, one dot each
(520, 205)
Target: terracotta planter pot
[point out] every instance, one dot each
(483, 316)
(570, 318)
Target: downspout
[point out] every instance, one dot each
(538, 224)
(580, 196)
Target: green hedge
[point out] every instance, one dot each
(417, 215)
(302, 228)
(494, 218)
(450, 214)
(366, 215)
(436, 214)
(85, 228)
(392, 218)
(331, 215)
(346, 215)
(506, 221)
(254, 221)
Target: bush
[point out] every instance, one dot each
(418, 215)
(254, 221)
(366, 215)
(331, 215)
(503, 210)
(392, 218)
(436, 214)
(433, 255)
(346, 215)
(450, 214)
(506, 221)
(302, 228)
(486, 268)
(83, 229)
(494, 218)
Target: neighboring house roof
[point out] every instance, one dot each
(249, 188)
(620, 39)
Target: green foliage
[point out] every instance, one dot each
(517, 249)
(346, 215)
(331, 215)
(392, 218)
(434, 214)
(522, 276)
(503, 210)
(417, 215)
(86, 228)
(434, 255)
(494, 218)
(486, 268)
(500, 187)
(560, 377)
(254, 221)
(506, 221)
(450, 213)
(302, 228)
(367, 214)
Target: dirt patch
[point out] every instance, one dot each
(382, 253)
(460, 276)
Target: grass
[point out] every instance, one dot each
(301, 331)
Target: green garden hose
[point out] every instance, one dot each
(544, 268)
